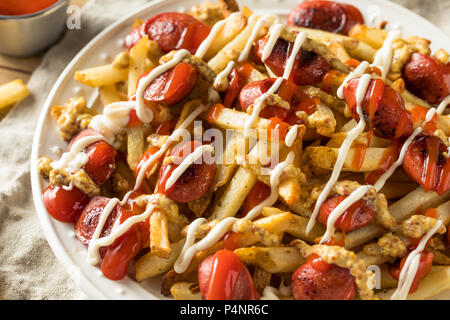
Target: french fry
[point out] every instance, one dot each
(109, 94)
(272, 259)
(235, 193)
(186, 291)
(375, 142)
(12, 92)
(101, 76)
(414, 202)
(228, 32)
(437, 281)
(151, 265)
(443, 213)
(139, 63)
(372, 36)
(325, 158)
(232, 50)
(159, 235)
(357, 49)
(135, 146)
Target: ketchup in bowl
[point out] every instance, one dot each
(23, 7)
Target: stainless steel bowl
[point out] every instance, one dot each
(26, 35)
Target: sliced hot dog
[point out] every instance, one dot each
(288, 91)
(102, 158)
(309, 68)
(317, 280)
(194, 182)
(326, 15)
(172, 31)
(173, 85)
(357, 216)
(383, 106)
(223, 276)
(427, 77)
(426, 164)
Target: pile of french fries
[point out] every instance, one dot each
(264, 244)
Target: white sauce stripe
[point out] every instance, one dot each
(223, 75)
(116, 232)
(143, 112)
(187, 162)
(341, 208)
(275, 32)
(274, 184)
(190, 249)
(383, 58)
(76, 158)
(348, 141)
(299, 40)
(204, 46)
(174, 137)
(93, 250)
(291, 136)
(411, 266)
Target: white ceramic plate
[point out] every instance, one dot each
(60, 235)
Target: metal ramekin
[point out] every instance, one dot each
(26, 35)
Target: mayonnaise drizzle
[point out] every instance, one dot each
(204, 46)
(222, 76)
(411, 266)
(76, 158)
(345, 147)
(143, 112)
(117, 231)
(262, 22)
(274, 184)
(174, 137)
(275, 32)
(190, 249)
(187, 162)
(291, 136)
(379, 184)
(115, 117)
(383, 58)
(258, 106)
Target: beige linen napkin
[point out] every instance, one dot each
(28, 267)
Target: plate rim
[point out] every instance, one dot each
(86, 285)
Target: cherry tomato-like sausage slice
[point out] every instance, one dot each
(309, 68)
(147, 154)
(258, 194)
(426, 164)
(426, 261)
(223, 276)
(289, 92)
(383, 106)
(118, 256)
(172, 31)
(317, 280)
(87, 222)
(194, 182)
(101, 154)
(64, 205)
(427, 77)
(326, 15)
(357, 216)
(173, 85)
